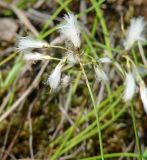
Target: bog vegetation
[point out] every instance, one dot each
(74, 87)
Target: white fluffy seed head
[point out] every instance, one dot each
(70, 29)
(105, 60)
(55, 77)
(143, 94)
(135, 32)
(26, 43)
(65, 81)
(35, 56)
(130, 86)
(101, 75)
(71, 58)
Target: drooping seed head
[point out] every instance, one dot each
(130, 86)
(55, 77)
(28, 43)
(101, 75)
(65, 81)
(35, 56)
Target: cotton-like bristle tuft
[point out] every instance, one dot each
(35, 56)
(105, 60)
(71, 58)
(55, 77)
(101, 75)
(65, 81)
(26, 43)
(70, 29)
(143, 94)
(135, 32)
(130, 86)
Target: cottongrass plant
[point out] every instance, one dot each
(135, 33)
(132, 80)
(70, 29)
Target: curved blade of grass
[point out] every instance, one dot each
(135, 132)
(103, 25)
(13, 74)
(112, 155)
(95, 109)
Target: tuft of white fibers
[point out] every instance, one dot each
(135, 32)
(65, 81)
(25, 43)
(130, 86)
(143, 94)
(71, 58)
(55, 77)
(35, 56)
(70, 29)
(101, 75)
(105, 60)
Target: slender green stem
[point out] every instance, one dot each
(52, 58)
(94, 105)
(112, 155)
(60, 47)
(103, 25)
(8, 58)
(134, 56)
(135, 131)
(142, 53)
(91, 8)
(103, 46)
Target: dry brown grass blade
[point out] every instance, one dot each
(21, 15)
